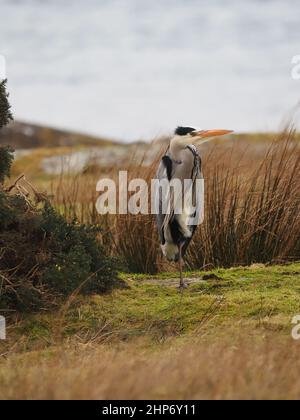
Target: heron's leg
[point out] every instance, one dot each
(182, 284)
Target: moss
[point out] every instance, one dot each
(256, 300)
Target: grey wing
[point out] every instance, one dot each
(198, 201)
(164, 171)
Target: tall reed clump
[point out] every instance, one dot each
(252, 209)
(133, 238)
(136, 238)
(252, 213)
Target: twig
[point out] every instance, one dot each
(9, 189)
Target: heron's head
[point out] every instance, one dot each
(185, 136)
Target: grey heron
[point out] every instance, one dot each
(181, 162)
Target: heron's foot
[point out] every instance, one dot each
(183, 285)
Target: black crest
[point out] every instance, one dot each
(183, 131)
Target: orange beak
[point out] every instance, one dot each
(210, 133)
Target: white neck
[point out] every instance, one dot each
(177, 145)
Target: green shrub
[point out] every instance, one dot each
(6, 159)
(5, 113)
(76, 254)
(43, 258)
(6, 155)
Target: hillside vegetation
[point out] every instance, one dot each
(22, 135)
(228, 336)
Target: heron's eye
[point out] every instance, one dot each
(196, 133)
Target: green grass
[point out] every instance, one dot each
(229, 337)
(255, 299)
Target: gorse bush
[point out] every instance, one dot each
(6, 159)
(5, 113)
(6, 155)
(43, 258)
(76, 256)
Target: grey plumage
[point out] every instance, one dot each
(167, 169)
(181, 162)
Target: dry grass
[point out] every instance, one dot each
(246, 368)
(134, 239)
(252, 209)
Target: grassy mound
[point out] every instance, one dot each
(225, 337)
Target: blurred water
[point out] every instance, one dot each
(136, 68)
